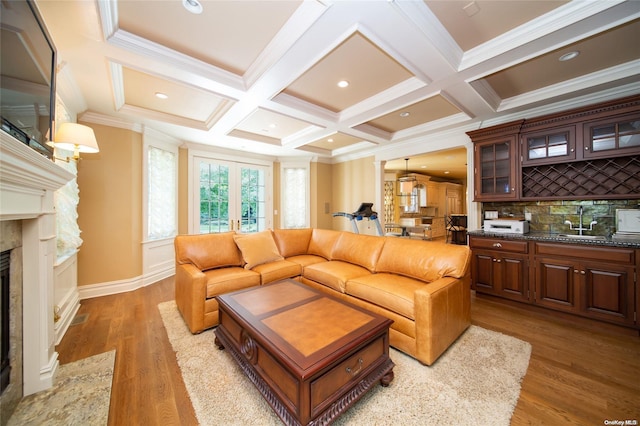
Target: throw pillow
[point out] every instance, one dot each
(257, 248)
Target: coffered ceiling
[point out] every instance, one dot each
(262, 76)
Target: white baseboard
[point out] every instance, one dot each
(67, 313)
(123, 286)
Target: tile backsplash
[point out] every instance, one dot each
(550, 216)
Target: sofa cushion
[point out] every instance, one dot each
(362, 250)
(224, 280)
(292, 242)
(334, 273)
(306, 259)
(278, 270)
(208, 251)
(389, 291)
(424, 260)
(257, 248)
(322, 242)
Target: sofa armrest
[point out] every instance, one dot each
(442, 312)
(190, 290)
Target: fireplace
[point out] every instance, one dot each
(28, 230)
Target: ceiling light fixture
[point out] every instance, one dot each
(161, 95)
(407, 181)
(343, 83)
(193, 6)
(569, 56)
(405, 114)
(330, 140)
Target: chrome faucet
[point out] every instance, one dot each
(580, 227)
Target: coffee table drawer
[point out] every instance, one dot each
(352, 369)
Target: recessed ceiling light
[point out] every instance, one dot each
(446, 172)
(273, 125)
(568, 56)
(193, 6)
(330, 140)
(161, 95)
(404, 114)
(343, 83)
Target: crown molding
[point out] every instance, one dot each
(555, 20)
(629, 69)
(104, 120)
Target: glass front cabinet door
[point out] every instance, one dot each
(495, 162)
(495, 169)
(548, 146)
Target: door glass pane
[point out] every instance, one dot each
(487, 170)
(503, 167)
(629, 127)
(629, 134)
(502, 151)
(252, 195)
(487, 186)
(603, 144)
(630, 140)
(486, 153)
(558, 145)
(502, 185)
(604, 132)
(537, 147)
(214, 198)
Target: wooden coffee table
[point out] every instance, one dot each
(311, 356)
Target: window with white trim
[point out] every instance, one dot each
(161, 189)
(295, 196)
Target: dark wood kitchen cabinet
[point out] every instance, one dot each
(495, 162)
(598, 282)
(548, 146)
(591, 152)
(595, 282)
(500, 267)
(612, 137)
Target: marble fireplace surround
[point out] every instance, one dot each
(27, 185)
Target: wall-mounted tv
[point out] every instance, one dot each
(27, 78)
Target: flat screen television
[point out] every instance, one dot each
(27, 78)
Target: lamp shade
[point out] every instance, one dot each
(72, 136)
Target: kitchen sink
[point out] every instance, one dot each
(582, 237)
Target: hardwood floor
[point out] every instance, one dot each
(581, 372)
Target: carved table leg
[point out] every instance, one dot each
(387, 378)
(218, 343)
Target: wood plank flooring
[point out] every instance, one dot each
(581, 372)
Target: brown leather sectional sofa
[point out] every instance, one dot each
(423, 286)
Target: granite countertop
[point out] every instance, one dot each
(557, 238)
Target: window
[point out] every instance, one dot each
(161, 193)
(295, 196)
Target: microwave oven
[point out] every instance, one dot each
(628, 221)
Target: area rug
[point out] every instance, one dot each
(476, 382)
(80, 395)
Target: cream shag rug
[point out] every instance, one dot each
(80, 395)
(476, 382)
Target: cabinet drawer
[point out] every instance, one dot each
(620, 255)
(499, 244)
(348, 371)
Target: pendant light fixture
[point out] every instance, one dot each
(406, 182)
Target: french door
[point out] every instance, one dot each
(232, 196)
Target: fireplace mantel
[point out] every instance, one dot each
(27, 185)
(27, 180)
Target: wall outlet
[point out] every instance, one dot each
(527, 216)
